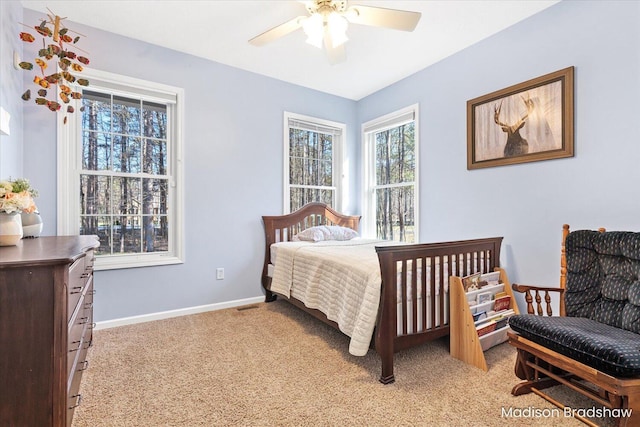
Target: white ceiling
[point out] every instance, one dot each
(376, 57)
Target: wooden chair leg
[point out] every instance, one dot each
(530, 376)
(521, 369)
(526, 387)
(631, 402)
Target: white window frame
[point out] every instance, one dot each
(69, 152)
(391, 120)
(313, 123)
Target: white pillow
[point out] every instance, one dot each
(325, 232)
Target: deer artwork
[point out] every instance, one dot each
(516, 145)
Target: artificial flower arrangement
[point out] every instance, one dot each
(17, 196)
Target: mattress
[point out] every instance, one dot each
(274, 256)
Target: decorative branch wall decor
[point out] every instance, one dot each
(56, 83)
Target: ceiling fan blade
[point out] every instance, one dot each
(335, 54)
(380, 17)
(277, 32)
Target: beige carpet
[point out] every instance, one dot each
(274, 365)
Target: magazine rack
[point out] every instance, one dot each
(466, 344)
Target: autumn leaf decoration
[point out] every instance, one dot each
(55, 65)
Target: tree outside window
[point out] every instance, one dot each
(120, 171)
(390, 154)
(124, 182)
(312, 153)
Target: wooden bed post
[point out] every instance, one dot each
(386, 331)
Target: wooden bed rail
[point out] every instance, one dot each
(405, 267)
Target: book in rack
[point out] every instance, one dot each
(479, 316)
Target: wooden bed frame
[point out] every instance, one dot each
(459, 258)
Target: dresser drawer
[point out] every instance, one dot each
(75, 335)
(78, 366)
(77, 281)
(80, 333)
(87, 303)
(89, 260)
(74, 398)
(87, 309)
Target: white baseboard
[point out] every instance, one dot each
(175, 313)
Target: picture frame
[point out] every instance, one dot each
(527, 122)
(483, 297)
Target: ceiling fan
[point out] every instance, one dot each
(328, 21)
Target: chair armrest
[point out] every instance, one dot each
(523, 288)
(527, 290)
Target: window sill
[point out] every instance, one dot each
(115, 262)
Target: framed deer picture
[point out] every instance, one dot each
(526, 122)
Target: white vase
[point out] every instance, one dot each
(31, 224)
(10, 228)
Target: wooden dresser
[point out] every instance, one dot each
(46, 315)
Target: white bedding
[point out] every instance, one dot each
(341, 279)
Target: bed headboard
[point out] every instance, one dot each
(281, 228)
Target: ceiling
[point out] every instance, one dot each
(376, 57)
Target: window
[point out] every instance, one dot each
(122, 181)
(312, 155)
(390, 202)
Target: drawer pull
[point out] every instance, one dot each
(78, 398)
(89, 344)
(85, 275)
(92, 325)
(83, 320)
(85, 366)
(79, 343)
(88, 305)
(76, 290)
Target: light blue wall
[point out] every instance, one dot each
(233, 151)
(11, 89)
(233, 171)
(528, 203)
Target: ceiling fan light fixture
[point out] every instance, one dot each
(337, 26)
(327, 22)
(313, 27)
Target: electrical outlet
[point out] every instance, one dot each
(219, 273)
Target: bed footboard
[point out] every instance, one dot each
(414, 299)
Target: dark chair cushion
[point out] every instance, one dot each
(603, 277)
(609, 349)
